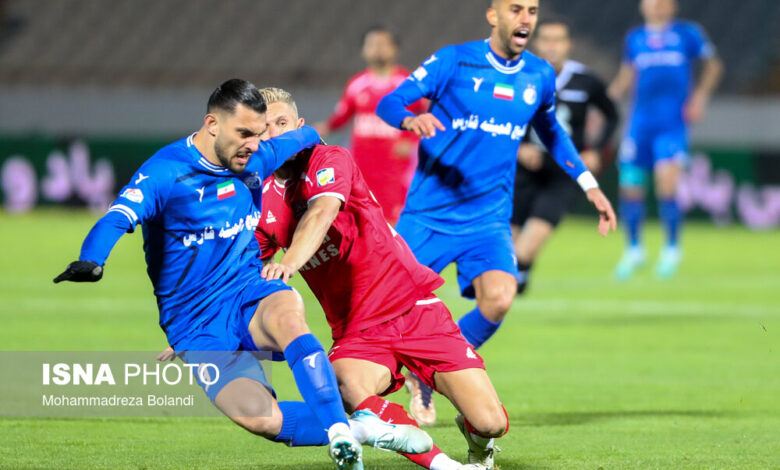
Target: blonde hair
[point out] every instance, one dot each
(273, 95)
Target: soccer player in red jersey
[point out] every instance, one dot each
(377, 298)
(386, 156)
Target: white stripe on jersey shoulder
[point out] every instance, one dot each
(331, 194)
(503, 68)
(128, 212)
(190, 143)
(570, 67)
(210, 166)
(428, 301)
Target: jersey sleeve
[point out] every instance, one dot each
(140, 200)
(330, 174)
(628, 52)
(699, 44)
(268, 247)
(343, 112)
(553, 135)
(429, 80)
(272, 153)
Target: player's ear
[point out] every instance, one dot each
(492, 16)
(211, 122)
(301, 123)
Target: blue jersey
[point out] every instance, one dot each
(198, 227)
(663, 60)
(465, 176)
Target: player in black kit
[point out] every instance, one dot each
(543, 191)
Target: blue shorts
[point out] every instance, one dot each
(218, 368)
(642, 149)
(228, 332)
(473, 253)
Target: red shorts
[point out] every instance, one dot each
(425, 339)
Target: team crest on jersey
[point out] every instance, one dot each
(253, 182)
(529, 95)
(325, 176)
(133, 194)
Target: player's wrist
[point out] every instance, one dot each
(587, 181)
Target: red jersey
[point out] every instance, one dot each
(387, 156)
(364, 273)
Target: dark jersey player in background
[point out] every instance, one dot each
(543, 191)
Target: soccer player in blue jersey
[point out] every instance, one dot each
(199, 201)
(483, 96)
(657, 63)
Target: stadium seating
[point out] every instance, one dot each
(313, 43)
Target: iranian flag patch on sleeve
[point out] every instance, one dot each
(225, 190)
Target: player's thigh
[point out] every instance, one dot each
(473, 394)
(667, 175)
(670, 151)
(532, 238)
(278, 320)
(495, 290)
(359, 379)
(250, 404)
(486, 254)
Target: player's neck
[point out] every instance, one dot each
(201, 142)
(658, 25)
(497, 51)
(559, 67)
(382, 71)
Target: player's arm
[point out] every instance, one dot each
(272, 153)
(601, 101)
(623, 81)
(140, 200)
(562, 149)
(711, 73)
(307, 239)
(428, 81)
(341, 115)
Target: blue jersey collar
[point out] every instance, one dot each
(201, 159)
(501, 64)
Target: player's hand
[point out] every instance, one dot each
(530, 156)
(81, 271)
(424, 125)
(592, 160)
(695, 108)
(168, 355)
(281, 271)
(322, 128)
(607, 218)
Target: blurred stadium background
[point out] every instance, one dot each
(641, 375)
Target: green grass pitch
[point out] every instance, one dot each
(595, 374)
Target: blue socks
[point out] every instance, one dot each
(632, 211)
(476, 328)
(315, 379)
(669, 212)
(300, 426)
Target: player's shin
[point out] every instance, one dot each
(476, 328)
(300, 426)
(317, 382)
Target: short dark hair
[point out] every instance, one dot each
(233, 92)
(378, 28)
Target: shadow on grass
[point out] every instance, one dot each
(583, 417)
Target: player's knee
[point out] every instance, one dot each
(290, 321)
(491, 422)
(497, 300)
(267, 427)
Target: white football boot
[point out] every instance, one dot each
(402, 438)
(481, 449)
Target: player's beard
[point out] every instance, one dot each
(226, 160)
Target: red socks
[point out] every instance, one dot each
(396, 414)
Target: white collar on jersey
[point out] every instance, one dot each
(570, 67)
(501, 64)
(202, 160)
